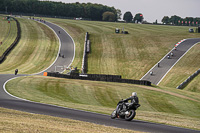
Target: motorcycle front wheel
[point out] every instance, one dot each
(114, 114)
(131, 114)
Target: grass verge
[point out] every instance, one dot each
(36, 50)
(170, 107)
(15, 121)
(8, 33)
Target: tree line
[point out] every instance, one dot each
(50, 8)
(128, 17)
(176, 20)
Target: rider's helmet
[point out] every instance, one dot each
(134, 94)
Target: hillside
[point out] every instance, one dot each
(36, 50)
(129, 55)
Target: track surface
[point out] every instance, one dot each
(166, 64)
(11, 102)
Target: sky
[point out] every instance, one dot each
(152, 10)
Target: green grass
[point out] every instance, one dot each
(175, 107)
(17, 122)
(132, 55)
(8, 33)
(36, 50)
(194, 85)
(129, 55)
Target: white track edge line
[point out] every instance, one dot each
(176, 62)
(4, 87)
(161, 60)
(57, 53)
(72, 41)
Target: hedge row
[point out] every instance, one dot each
(3, 57)
(100, 77)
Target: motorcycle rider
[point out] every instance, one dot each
(134, 100)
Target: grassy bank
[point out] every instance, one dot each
(36, 50)
(129, 55)
(162, 105)
(8, 33)
(15, 121)
(194, 85)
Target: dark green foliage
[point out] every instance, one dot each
(128, 17)
(176, 20)
(73, 10)
(138, 18)
(165, 20)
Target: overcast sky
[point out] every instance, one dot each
(151, 9)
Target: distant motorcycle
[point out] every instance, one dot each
(125, 110)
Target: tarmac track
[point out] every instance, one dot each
(165, 64)
(11, 102)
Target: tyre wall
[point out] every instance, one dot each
(100, 77)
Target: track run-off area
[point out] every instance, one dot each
(67, 49)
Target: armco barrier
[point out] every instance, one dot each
(187, 81)
(100, 77)
(84, 60)
(2, 58)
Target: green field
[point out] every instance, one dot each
(168, 106)
(36, 50)
(8, 33)
(129, 55)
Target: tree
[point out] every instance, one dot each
(174, 19)
(128, 17)
(165, 20)
(46, 7)
(138, 18)
(108, 16)
(156, 22)
(119, 14)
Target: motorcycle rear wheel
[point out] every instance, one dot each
(131, 115)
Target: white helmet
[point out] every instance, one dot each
(134, 94)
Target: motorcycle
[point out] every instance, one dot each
(125, 110)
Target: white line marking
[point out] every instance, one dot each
(57, 53)
(72, 41)
(176, 63)
(160, 60)
(59, 47)
(4, 87)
